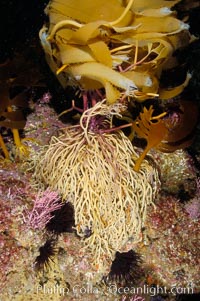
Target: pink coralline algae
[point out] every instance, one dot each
(5, 217)
(46, 98)
(9, 248)
(166, 213)
(172, 248)
(43, 122)
(15, 195)
(44, 204)
(9, 252)
(193, 207)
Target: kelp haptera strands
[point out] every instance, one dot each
(94, 172)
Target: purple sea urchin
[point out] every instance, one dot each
(62, 220)
(125, 268)
(47, 251)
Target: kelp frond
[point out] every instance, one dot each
(150, 128)
(113, 46)
(13, 73)
(4, 148)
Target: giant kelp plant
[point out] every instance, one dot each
(17, 76)
(99, 202)
(114, 56)
(123, 47)
(120, 53)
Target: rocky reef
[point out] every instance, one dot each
(99, 153)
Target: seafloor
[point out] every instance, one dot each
(52, 263)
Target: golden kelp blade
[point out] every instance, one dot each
(141, 5)
(153, 132)
(166, 25)
(102, 74)
(101, 53)
(145, 81)
(118, 36)
(70, 54)
(88, 11)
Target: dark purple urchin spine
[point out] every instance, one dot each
(47, 252)
(63, 220)
(125, 269)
